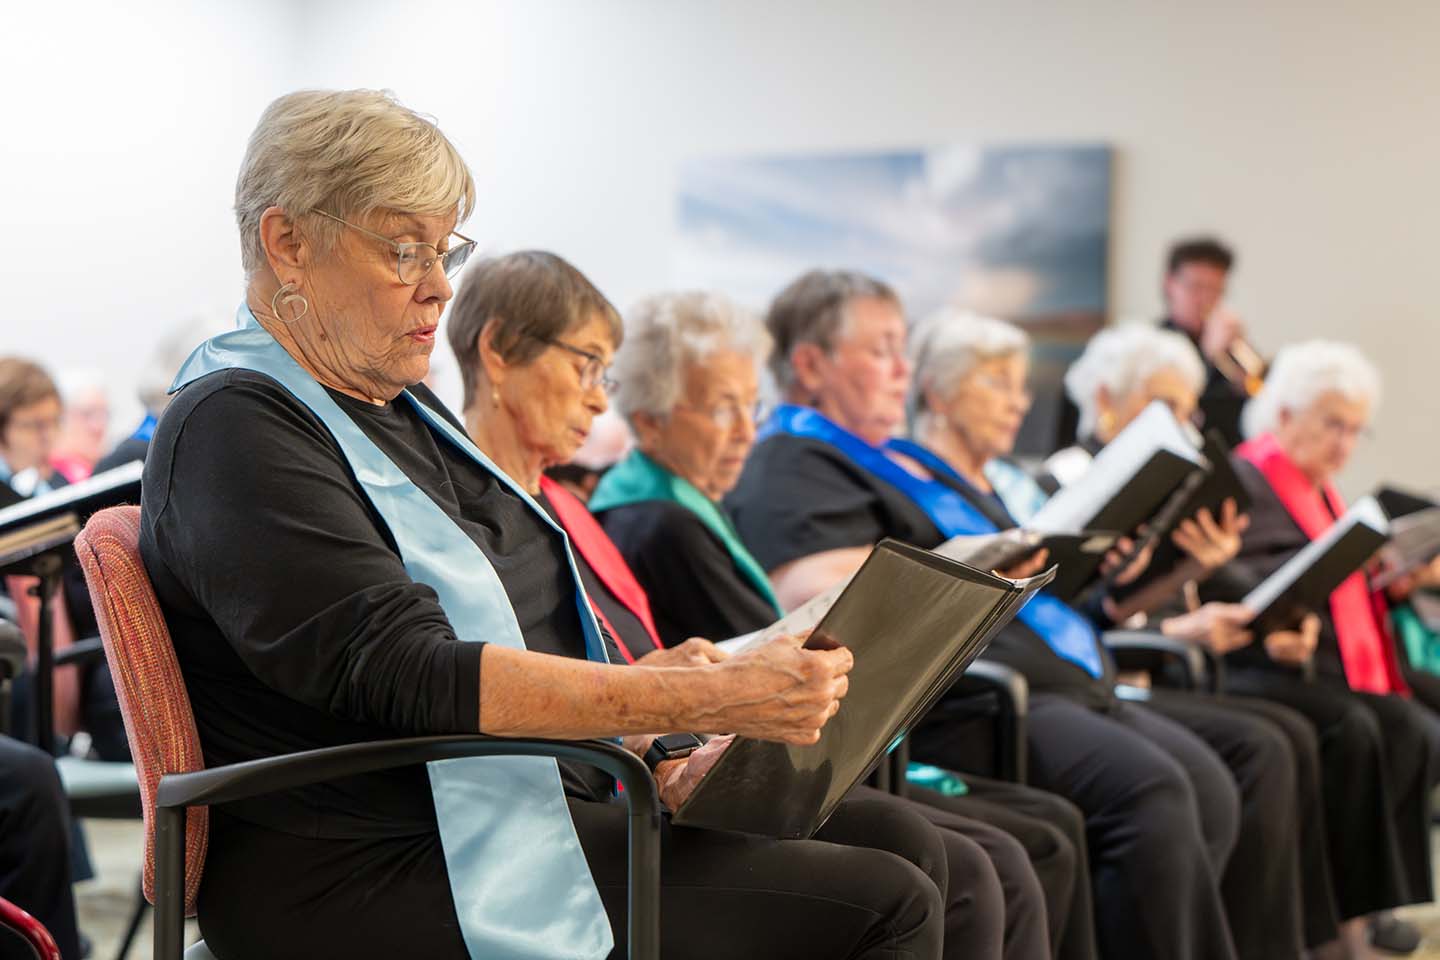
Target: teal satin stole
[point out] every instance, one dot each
(518, 877)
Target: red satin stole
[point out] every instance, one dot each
(1366, 649)
(600, 552)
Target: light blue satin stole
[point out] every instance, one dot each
(518, 877)
(1068, 634)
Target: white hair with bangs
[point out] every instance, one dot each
(665, 332)
(350, 153)
(1304, 372)
(1121, 359)
(948, 344)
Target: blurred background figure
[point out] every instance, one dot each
(83, 424)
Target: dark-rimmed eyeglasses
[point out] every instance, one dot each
(415, 259)
(593, 373)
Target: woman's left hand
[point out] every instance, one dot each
(1209, 542)
(678, 778)
(695, 652)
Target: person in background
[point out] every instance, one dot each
(35, 833)
(1197, 272)
(83, 425)
(1304, 427)
(823, 485)
(530, 399)
(153, 390)
(31, 413)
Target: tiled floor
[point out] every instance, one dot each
(105, 902)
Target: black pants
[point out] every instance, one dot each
(1052, 831)
(1261, 883)
(724, 895)
(34, 842)
(1161, 815)
(1379, 758)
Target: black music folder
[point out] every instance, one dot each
(914, 621)
(1126, 484)
(1305, 581)
(51, 520)
(1414, 542)
(1009, 548)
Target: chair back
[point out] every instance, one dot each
(158, 720)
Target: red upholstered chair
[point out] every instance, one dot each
(175, 786)
(25, 932)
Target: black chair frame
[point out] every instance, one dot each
(179, 791)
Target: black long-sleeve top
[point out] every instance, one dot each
(798, 496)
(294, 621)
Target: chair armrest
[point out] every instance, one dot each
(176, 791)
(238, 781)
(995, 677)
(989, 680)
(1138, 650)
(89, 650)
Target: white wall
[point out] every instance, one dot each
(1306, 133)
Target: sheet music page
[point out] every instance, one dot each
(1366, 511)
(991, 551)
(803, 617)
(1073, 507)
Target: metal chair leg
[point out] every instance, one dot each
(137, 915)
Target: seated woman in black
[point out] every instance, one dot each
(1304, 425)
(528, 298)
(338, 563)
(820, 489)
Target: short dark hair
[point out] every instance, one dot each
(812, 310)
(532, 297)
(23, 383)
(1199, 250)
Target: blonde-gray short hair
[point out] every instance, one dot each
(948, 344)
(350, 153)
(1302, 373)
(665, 332)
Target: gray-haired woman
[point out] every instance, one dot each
(338, 563)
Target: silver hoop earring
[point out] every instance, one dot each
(288, 297)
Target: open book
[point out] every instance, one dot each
(1129, 480)
(1305, 581)
(914, 621)
(1414, 542)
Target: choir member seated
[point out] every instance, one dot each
(337, 563)
(1303, 429)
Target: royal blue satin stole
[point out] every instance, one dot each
(518, 877)
(1068, 634)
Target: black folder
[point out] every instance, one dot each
(914, 621)
(1305, 581)
(1010, 548)
(50, 521)
(1414, 542)
(1129, 481)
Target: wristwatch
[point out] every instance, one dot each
(671, 746)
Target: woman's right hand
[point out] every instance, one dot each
(777, 691)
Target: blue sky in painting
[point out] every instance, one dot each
(1016, 231)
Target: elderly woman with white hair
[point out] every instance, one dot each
(338, 563)
(1303, 428)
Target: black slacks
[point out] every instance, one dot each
(1052, 831)
(1261, 882)
(34, 842)
(723, 895)
(1161, 815)
(1379, 758)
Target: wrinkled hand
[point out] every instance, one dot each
(1027, 568)
(1115, 556)
(1218, 627)
(678, 778)
(695, 652)
(1209, 542)
(1294, 647)
(776, 691)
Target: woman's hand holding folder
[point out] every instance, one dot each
(778, 691)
